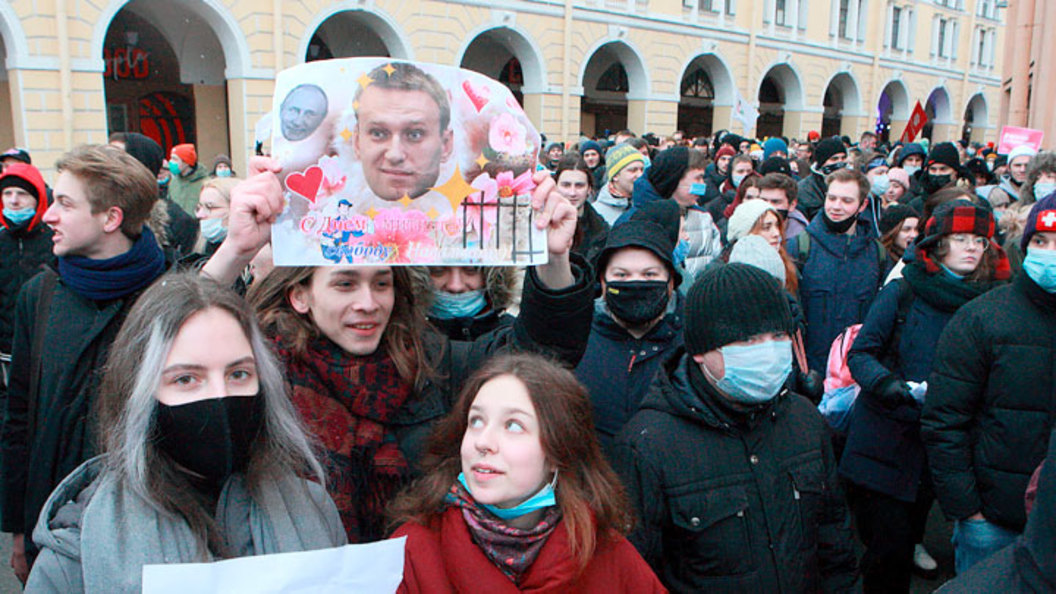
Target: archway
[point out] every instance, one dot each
(509, 57)
(352, 34)
(780, 94)
(611, 77)
(939, 113)
(165, 76)
(892, 110)
(976, 119)
(706, 83)
(841, 104)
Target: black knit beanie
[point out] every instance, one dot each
(667, 170)
(16, 181)
(827, 148)
(733, 302)
(775, 165)
(895, 214)
(944, 153)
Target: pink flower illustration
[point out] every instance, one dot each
(483, 206)
(507, 135)
(399, 230)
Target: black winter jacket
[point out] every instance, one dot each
(811, 195)
(745, 503)
(991, 402)
(22, 252)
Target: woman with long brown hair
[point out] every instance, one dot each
(517, 495)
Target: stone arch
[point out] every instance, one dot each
(892, 107)
(387, 29)
(940, 115)
(619, 67)
(15, 47)
(976, 118)
(841, 105)
(780, 94)
(701, 116)
(519, 44)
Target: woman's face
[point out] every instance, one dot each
(574, 186)
(770, 229)
(211, 205)
(894, 192)
(907, 233)
(751, 193)
(966, 251)
(210, 358)
(502, 455)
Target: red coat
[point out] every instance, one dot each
(447, 560)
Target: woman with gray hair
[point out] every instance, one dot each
(204, 452)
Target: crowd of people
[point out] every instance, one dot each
(743, 357)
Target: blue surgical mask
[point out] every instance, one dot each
(698, 189)
(174, 168)
(737, 179)
(545, 497)
(755, 373)
(163, 182)
(1040, 266)
(880, 184)
(450, 306)
(19, 216)
(911, 170)
(997, 216)
(681, 251)
(648, 162)
(213, 230)
(1043, 189)
(223, 173)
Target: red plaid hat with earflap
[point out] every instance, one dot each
(961, 216)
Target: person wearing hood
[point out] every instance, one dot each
(25, 245)
(954, 262)
(553, 154)
(732, 475)
(637, 321)
(204, 457)
(595, 158)
(179, 232)
(222, 167)
(716, 173)
(841, 264)
(875, 170)
(911, 159)
(187, 177)
(623, 166)
(988, 411)
(829, 156)
(1011, 183)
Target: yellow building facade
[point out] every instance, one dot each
(203, 70)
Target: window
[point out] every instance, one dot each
(779, 12)
(710, 6)
(896, 27)
(943, 25)
(845, 6)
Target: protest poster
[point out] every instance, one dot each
(1013, 136)
(374, 568)
(388, 162)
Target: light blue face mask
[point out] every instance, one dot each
(174, 168)
(1043, 189)
(213, 230)
(648, 162)
(681, 251)
(163, 182)
(698, 189)
(880, 184)
(1040, 266)
(544, 498)
(911, 169)
(19, 216)
(451, 306)
(223, 173)
(737, 179)
(755, 373)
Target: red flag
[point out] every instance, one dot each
(915, 124)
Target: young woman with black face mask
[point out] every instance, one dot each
(205, 457)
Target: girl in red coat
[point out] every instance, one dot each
(517, 496)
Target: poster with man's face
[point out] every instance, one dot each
(389, 162)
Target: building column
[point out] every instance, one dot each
(799, 123)
(721, 117)
(944, 132)
(210, 115)
(636, 115)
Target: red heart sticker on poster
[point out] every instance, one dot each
(478, 95)
(306, 184)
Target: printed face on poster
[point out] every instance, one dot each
(388, 162)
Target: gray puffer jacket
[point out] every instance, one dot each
(95, 535)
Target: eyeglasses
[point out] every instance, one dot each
(967, 240)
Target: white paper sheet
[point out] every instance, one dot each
(365, 568)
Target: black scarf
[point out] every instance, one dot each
(940, 290)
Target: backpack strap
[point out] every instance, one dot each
(36, 353)
(905, 302)
(802, 244)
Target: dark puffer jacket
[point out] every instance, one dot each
(23, 249)
(811, 195)
(991, 402)
(840, 277)
(734, 503)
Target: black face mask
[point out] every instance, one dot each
(826, 170)
(636, 302)
(933, 183)
(212, 437)
(837, 227)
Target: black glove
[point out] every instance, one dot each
(811, 385)
(893, 392)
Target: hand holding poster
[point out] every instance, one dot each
(388, 162)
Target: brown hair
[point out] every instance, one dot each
(984, 272)
(403, 336)
(791, 272)
(888, 239)
(113, 178)
(698, 159)
(948, 194)
(780, 181)
(592, 500)
(848, 174)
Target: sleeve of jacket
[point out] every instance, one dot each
(645, 491)
(55, 573)
(836, 556)
(863, 360)
(956, 389)
(14, 433)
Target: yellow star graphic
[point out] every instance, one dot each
(455, 189)
(355, 105)
(346, 134)
(432, 214)
(389, 69)
(364, 80)
(482, 161)
(371, 213)
(405, 201)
